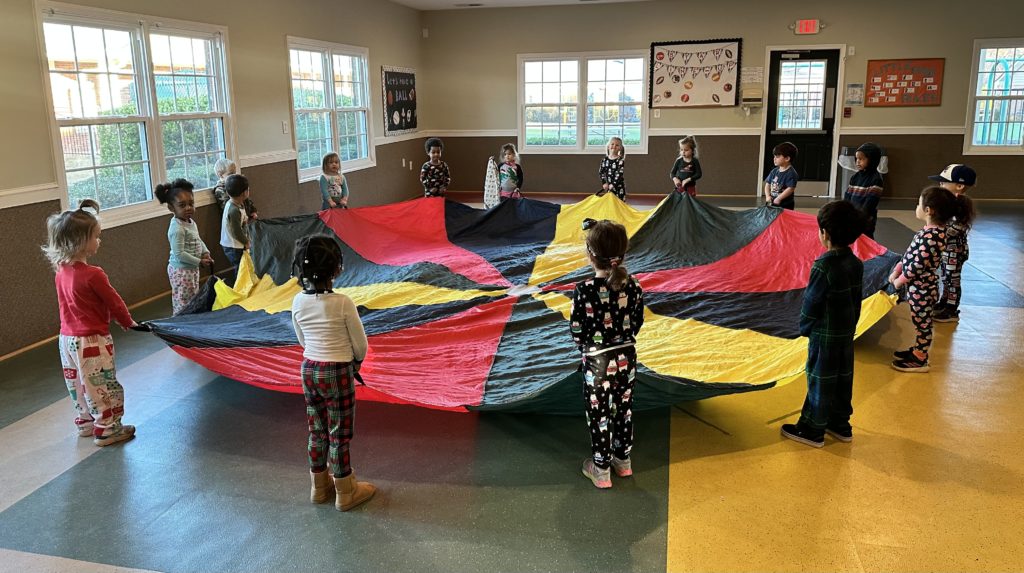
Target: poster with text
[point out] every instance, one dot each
(698, 73)
(892, 83)
(399, 85)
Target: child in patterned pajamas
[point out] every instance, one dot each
(333, 344)
(510, 174)
(957, 179)
(434, 174)
(918, 271)
(188, 251)
(607, 313)
(613, 169)
(87, 303)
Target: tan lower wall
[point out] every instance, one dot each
(135, 256)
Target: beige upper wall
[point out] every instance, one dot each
(258, 59)
(469, 59)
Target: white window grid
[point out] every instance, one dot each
(995, 115)
(192, 132)
(112, 153)
(801, 95)
(615, 100)
(330, 105)
(572, 103)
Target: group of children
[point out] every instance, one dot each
(435, 175)
(832, 299)
(607, 310)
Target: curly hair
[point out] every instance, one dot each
(69, 231)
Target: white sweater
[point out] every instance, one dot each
(328, 327)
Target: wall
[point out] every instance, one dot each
(135, 255)
(473, 90)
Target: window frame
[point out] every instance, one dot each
(139, 26)
(582, 59)
(327, 51)
(969, 148)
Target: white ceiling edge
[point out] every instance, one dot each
(459, 4)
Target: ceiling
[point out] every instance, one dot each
(461, 4)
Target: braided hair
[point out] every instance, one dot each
(317, 260)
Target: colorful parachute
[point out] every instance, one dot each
(468, 308)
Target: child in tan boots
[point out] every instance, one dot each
(334, 344)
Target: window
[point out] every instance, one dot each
(190, 105)
(801, 94)
(995, 115)
(124, 123)
(331, 107)
(606, 90)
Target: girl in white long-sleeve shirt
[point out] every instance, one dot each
(327, 326)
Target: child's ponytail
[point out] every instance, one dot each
(607, 244)
(965, 212)
(68, 232)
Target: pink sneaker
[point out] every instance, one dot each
(623, 468)
(602, 478)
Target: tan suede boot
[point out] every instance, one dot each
(351, 493)
(322, 488)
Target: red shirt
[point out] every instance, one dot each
(87, 301)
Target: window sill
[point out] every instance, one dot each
(120, 216)
(994, 151)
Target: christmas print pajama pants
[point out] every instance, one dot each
(88, 363)
(184, 286)
(608, 380)
(330, 406)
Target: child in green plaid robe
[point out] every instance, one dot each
(828, 318)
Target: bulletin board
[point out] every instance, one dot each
(894, 83)
(399, 91)
(699, 73)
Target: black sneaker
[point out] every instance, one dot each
(843, 435)
(911, 364)
(903, 354)
(946, 314)
(804, 435)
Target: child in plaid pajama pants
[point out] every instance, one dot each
(334, 343)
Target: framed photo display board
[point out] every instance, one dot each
(893, 83)
(399, 86)
(697, 73)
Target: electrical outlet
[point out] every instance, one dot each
(410, 166)
(284, 127)
(403, 162)
(657, 113)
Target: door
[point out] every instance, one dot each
(802, 110)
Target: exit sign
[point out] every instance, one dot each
(807, 27)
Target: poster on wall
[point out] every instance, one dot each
(399, 85)
(892, 83)
(697, 73)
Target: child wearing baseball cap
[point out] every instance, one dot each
(956, 178)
